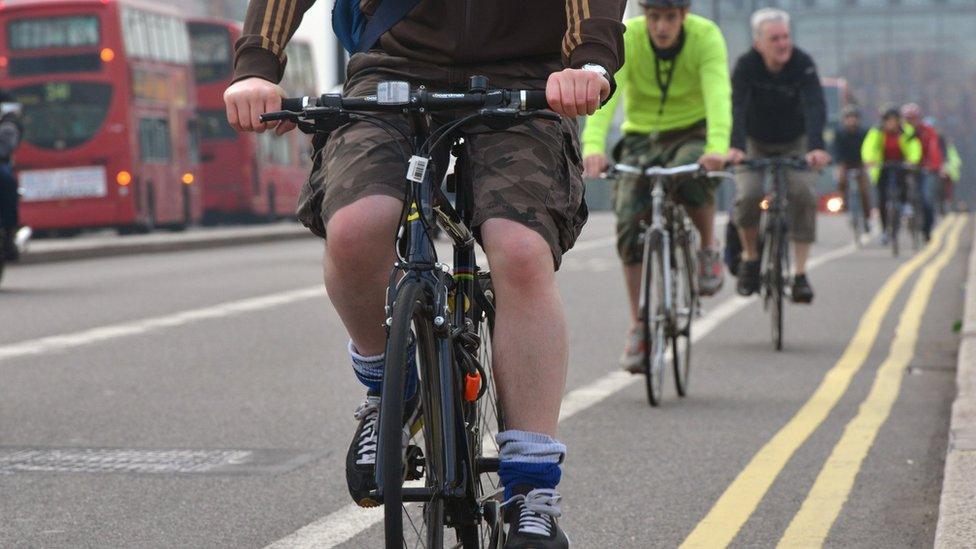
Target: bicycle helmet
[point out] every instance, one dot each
(664, 3)
(910, 110)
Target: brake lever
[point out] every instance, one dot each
(280, 115)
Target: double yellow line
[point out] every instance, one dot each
(830, 491)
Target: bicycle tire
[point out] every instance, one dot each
(684, 304)
(410, 320)
(652, 317)
(779, 279)
(894, 220)
(488, 418)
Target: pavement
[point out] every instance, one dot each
(108, 243)
(202, 398)
(957, 511)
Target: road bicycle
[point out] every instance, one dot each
(901, 205)
(668, 299)
(774, 231)
(438, 486)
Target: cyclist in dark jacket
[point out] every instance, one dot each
(778, 109)
(847, 153)
(10, 135)
(529, 205)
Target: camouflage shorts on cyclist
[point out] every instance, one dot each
(632, 195)
(530, 173)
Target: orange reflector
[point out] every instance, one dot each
(472, 386)
(107, 54)
(764, 204)
(123, 178)
(188, 178)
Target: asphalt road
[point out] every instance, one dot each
(203, 399)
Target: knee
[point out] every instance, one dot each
(520, 258)
(361, 234)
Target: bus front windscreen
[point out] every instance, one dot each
(211, 52)
(62, 115)
(73, 31)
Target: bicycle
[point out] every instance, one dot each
(897, 207)
(773, 231)
(668, 295)
(450, 466)
(853, 204)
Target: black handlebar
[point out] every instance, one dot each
(794, 162)
(420, 100)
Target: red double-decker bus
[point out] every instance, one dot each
(108, 105)
(246, 176)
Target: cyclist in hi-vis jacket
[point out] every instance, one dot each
(677, 110)
(529, 206)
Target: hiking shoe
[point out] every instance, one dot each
(361, 458)
(632, 359)
(748, 278)
(802, 292)
(710, 274)
(531, 516)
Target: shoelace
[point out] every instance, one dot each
(539, 508)
(370, 411)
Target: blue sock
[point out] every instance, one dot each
(529, 459)
(369, 370)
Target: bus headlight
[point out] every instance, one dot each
(188, 178)
(123, 178)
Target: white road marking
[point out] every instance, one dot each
(138, 327)
(349, 521)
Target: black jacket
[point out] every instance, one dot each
(777, 108)
(847, 146)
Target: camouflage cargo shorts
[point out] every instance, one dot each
(530, 174)
(632, 195)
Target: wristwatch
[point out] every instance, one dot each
(593, 67)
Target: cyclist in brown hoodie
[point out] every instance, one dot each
(529, 202)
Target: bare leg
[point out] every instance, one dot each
(704, 220)
(632, 279)
(531, 350)
(358, 258)
(801, 252)
(750, 243)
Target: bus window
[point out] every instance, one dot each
(214, 126)
(211, 52)
(154, 140)
(61, 115)
(53, 32)
(275, 149)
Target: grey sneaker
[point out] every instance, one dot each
(632, 359)
(711, 275)
(532, 521)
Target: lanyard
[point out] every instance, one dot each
(669, 55)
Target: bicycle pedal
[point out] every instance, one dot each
(416, 464)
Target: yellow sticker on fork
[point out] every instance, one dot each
(414, 212)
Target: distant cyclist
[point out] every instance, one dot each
(847, 153)
(778, 110)
(11, 131)
(892, 142)
(677, 110)
(930, 165)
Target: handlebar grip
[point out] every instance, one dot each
(536, 100)
(293, 104)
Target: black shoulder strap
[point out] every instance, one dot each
(387, 14)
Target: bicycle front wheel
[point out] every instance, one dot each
(684, 303)
(653, 317)
(405, 453)
(773, 278)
